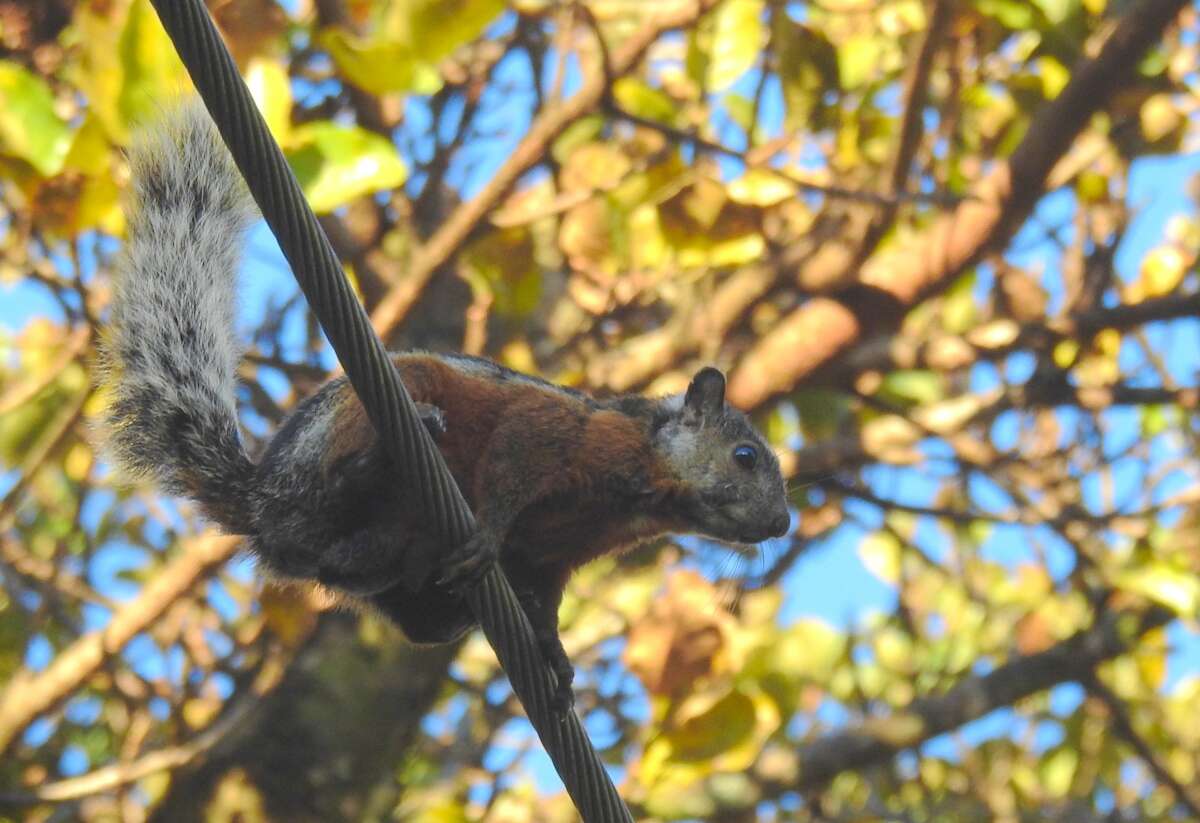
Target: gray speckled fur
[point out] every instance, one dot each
(170, 355)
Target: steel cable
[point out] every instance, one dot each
(419, 465)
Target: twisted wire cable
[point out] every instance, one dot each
(419, 465)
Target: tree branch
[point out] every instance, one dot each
(885, 352)
(824, 327)
(877, 740)
(29, 695)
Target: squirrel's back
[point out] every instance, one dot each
(169, 357)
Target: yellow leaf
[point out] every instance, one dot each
(1053, 74)
(951, 415)
(1091, 187)
(78, 462)
(736, 42)
(894, 649)
(1065, 353)
(809, 649)
(1058, 770)
(1108, 342)
(891, 439)
(151, 69)
(198, 712)
(1177, 589)
(761, 187)
(595, 166)
(1160, 117)
(880, 552)
(994, 335)
(90, 149)
(272, 92)
(1162, 270)
(736, 251)
(288, 612)
(858, 60)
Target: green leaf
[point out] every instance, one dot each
(808, 71)
(29, 128)
(1057, 11)
(741, 110)
(379, 67)
(435, 28)
(724, 725)
(909, 387)
(821, 411)
(401, 55)
(636, 96)
(501, 263)
(1014, 14)
(582, 131)
(336, 164)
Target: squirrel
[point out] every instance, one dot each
(554, 476)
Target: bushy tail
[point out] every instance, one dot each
(170, 356)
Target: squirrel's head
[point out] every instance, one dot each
(733, 490)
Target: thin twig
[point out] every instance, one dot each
(752, 161)
(23, 392)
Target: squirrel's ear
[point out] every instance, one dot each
(706, 394)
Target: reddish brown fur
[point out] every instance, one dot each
(580, 457)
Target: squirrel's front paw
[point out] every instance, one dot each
(433, 418)
(467, 564)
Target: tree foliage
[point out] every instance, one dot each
(946, 252)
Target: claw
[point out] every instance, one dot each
(433, 418)
(564, 696)
(467, 565)
(553, 654)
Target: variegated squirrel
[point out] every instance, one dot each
(554, 476)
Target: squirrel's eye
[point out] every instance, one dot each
(745, 456)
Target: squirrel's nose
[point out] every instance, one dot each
(781, 524)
